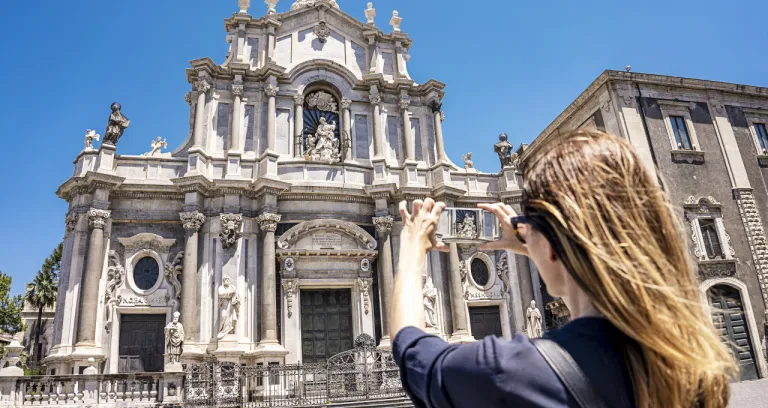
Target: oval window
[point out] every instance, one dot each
(145, 273)
(480, 272)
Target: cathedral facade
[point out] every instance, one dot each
(273, 229)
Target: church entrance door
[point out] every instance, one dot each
(141, 343)
(731, 324)
(326, 323)
(485, 321)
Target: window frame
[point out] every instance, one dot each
(757, 117)
(707, 208)
(681, 109)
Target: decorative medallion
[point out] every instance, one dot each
(322, 100)
(365, 265)
(70, 222)
(230, 229)
(289, 264)
(322, 32)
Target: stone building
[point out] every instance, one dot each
(707, 143)
(273, 229)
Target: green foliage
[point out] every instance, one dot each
(10, 307)
(41, 292)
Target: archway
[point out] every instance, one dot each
(730, 320)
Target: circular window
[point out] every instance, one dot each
(145, 273)
(480, 273)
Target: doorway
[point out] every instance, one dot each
(485, 321)
(326, 323)
(731, 324)
(142, 343)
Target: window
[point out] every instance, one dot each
(681, 133)
(762, 137)
(145, 273)
(480, 273)
(711, 239)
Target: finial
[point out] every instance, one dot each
(395, 21)
(271, 4)
(370, 13)
(628, 68)
(244, 4)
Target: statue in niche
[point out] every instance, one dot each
(116, 125)
(229, 307)
(430, 300)
(504, 150)
(174, 339)
(533, 329)
(323, 146)
(467, 229)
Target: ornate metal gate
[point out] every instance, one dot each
(198, 385)
(364, 372)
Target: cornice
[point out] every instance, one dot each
(381, 190)
(268, 186)
(193, 184)
(338, 253)
(87, 184)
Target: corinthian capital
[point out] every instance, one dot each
(201, 85)
(375, 99)
(268, 221)
(298, 100)
(192, 221)
(404, 104)
(383, 224)
(237, 89)
(346, 103)
(98, 218)
(435, 105)
(271, 90)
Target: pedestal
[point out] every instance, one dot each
(410, 175)
(233, 166)
(268, 164)
(195, 163)
(173, 368)
(106, 161)
(380, 173)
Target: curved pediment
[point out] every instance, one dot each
(326, 235)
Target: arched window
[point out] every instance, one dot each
(322, 128)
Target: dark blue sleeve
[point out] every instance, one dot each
(488, 373)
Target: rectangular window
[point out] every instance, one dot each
(416, 132)
(681, 133)
(250, 127)
(393, 137)
(362, 144)
(222, 127)
(762, 137)
(711, 239)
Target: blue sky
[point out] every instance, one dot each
(510, 66)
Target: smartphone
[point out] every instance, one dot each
(467, 225)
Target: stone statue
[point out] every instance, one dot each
(468, 161)
(504, 149)
(157, 146)
(533, 315)
(370, 13)
(430, 300)
(395, 21)
(230, 229)
(116, 125)
(323, 146)
(467, 228)
(229, 307)
(90, 136)
(174, 339)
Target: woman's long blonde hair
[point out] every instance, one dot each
(616, 233)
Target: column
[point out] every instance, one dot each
(237, 92)
(202, 86)
(436, 107)
(386, 273)
(190, 303)
(410, 142)
(271, 91)
(346, 128)
(268, 223)
(89, 296)
(378, 139)
(298, 120)
(458, 308)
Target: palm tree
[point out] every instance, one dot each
(41, 292)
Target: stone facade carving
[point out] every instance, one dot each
(202, 85)
(238, 89)
(115, 278)
(717, 269)
(323, 101)
(271, 90)
(90, 136)
(430, 302)
(463, 271)
(289, 238)
(370, 14)
(375, 99)
(323, 146)
(365, 288)
(312, 3)
(346, 103)
(116, 125)
(435, 105)
(188, 98)
(290, 288)
(504, 150)
(174, 339)
(383, 224)
(157, 146)
(704, 204)
(467, 228)
(70, 222)
(271, 4)
(268, 221)
(172, 271)
(244, 5)
(229, 308)
(322, 32)
(395, 21)
(502, 271)
(468, 164)
(298, 100)
(230, 229)
(560, 313)
(146, 240)
(192, 221)
(533, 316)
(753, 225)
(404, 104)
(98, 218)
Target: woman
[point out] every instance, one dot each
(604, 238)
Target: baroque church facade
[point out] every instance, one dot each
(273, 229)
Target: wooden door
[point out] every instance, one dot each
(142, 343)
(326, 323)
(485, 321)
(730, 322)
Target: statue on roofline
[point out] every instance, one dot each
(116, 125)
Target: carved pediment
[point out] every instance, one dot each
(147, 240)
(332, 235)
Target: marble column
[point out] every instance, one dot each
(271, 91)
(298, 120)
(386, 273)
(89, 296)
(268, 223)
(458, 307)
(378, 137)
(436, 107)
(347, 126)
(190, 304)
(237, 114)
(202, 86)
(410, 142)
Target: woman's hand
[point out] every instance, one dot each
(419, 227)
(508, 240)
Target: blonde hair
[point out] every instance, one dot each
(615, 231)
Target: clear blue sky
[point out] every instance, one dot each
(510, 66)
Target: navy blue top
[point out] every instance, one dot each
(499, 373)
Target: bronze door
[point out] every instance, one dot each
(326, 323)
(730, 322)
(142, 343)
(485, 321)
